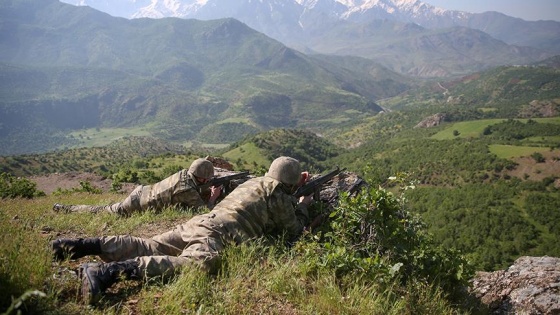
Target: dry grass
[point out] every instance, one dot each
(255, 279)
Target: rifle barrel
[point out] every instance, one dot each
(310, 187)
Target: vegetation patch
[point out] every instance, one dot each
(97, 137)
(476, 128)
(393, 268)
(247, 156)
(543, 139)
(465, 129)
(513, 151)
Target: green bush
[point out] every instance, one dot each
(170, 170)
(126, 175)
(85, 186)
(13, 187)
(538, 157)
(372, 237)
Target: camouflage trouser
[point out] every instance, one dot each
(126, 207)
(191, 243)
(174, 190)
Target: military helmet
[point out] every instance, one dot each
(286, 170)
(202, 168)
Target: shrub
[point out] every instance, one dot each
(538, 157)
(126, 175)
(85, 186)
(13, 187)
(372, 237)
(170, 170)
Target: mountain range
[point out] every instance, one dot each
(65, 68)
(400, 34)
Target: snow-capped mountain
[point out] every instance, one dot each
(389, 31)
(286, 19)
(404, 10)
(289, 21)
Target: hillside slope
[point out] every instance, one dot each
(64, 68)
(402, 35)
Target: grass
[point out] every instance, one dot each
(247, 156)
(96, 137)
(257, 278)
(542, 140)
(512, 151)
(473, 129)
(215, 146)
(159, 162)
(235, 120)
(466, 129)
(487, 109)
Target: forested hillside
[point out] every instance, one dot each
(64, 69)
(485, 186)
(500, 92)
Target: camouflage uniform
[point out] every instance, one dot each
(177, 189)
(260, 206)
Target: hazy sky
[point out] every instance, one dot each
(530, 10)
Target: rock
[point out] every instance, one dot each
(530, 286)
(220, 163)
(431, 121)
(344, 181)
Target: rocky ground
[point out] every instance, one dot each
(530, 286)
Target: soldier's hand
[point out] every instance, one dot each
(215, 192)
(306, 200)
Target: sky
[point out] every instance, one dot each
(530, 10)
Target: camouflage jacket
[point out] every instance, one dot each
(258, 207)
(177, 189)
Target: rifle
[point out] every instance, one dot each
(356, 186)
(313, 186)
(218, 181)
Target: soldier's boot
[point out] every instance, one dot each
(96, 277)
(60, 208)
(75, 248)
(57, 207)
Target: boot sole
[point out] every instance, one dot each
(88, 291)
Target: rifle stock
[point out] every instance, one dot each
(313, 186)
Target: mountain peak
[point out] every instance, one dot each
(191, 8)
(322, 26)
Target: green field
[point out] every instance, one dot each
(512, 151)
(473, 129)
(96, 137)
(466, 129)
(246, 156)
(544, 140)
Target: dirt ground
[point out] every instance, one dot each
(528, 168)
(51, 182)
